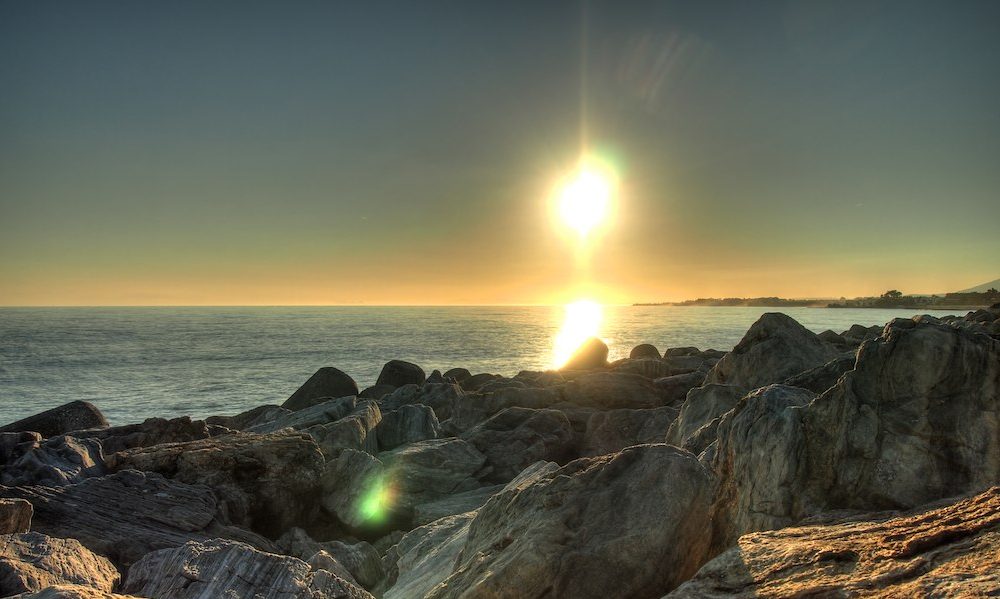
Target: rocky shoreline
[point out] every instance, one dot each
(860, 463)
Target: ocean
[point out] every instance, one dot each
(134, 363)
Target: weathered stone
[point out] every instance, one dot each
(15, 516)
(355, 431)
(681, 351)
(56, 461)
(219, 568)
(474, 382)
(151, 431)
(651, 368)
(31, 561)
(429, 470)
(592, 354)
(776, 347)
(951, 551)
(71, 591)
(126, 515)
(326, 411)
(915, 421)
(350, 489)
(297, 543)
(407, 424)
(362, 560)
(398, 373)
(610, 390)
(267, 482)
(72, 416)
(644, 350)
(613, 430)
(459, 503)
(439, 397)
(823, 377)
(674, 389)
(473, 409)
(458, 374)
(327, 382)
(832, 337)
(250, 418)
(696, 424)
(518, 437)
(630, 524)
(501, 383)
(376, 391)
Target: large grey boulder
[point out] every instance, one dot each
(15, 516)
(915, 421)
(823, 377)
(124, 516)
(440, 397)
(774, 348)
(674, 389)
(613, 430)
(71, 591)
(354, 489)
(220, 568)
(450, 505)
(429, 470)
(610, 390)
(327, 410)
(518, 437)
(475, 408)
(71, 416)
(949, 551)
(398, 373)
(630, 524)
(407, 424)
(266, 482)
(327, 382)
(31, 561)
(56, 461)
(695, 427)
(354, 431)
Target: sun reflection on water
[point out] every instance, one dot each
(581, 322)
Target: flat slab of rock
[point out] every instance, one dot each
(266, 482)
(126, 515)
(951, 551)
(407, 424)
(57, 461)
(71, 591)
(32, 561)
(630, 524)
(72, 416)
(15, 516)
(219, 568)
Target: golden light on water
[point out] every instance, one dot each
(581, 322)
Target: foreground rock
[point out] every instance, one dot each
(952, 551)
(695, 427)
(151, 431)
(326, 383)
(15, 516)
(630, 524)
(915, 421)
(55, 461)
(71, 591)
(775, 348)
(72, 416)
(610, 431)
(32, 561)
(219, 568)
(266, 482)
(126, 515)
(518, 437)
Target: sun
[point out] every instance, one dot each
(585, 200)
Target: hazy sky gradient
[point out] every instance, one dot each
(402, 153)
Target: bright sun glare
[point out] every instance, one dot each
(584, 200)
(582, 321)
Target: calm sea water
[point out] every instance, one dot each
(134, 363)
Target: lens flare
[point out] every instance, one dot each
(581, 322)
(585, 200)
(376, 501)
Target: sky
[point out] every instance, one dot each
(193, 153)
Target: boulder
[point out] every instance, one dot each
(613, 430)
(450, 505)
(126, 515)
(501, 383)
(776, 347)
(266, 482)
(610, 390)
(832, 337)
(473, 409)
(15, 516)
(407, 424)
(398, 373)
(518, 437)
(71, 416)
(429, 470)
(31, 561)
(695, 427)
(823, 377)
(681, 351)
(376, 391)
(151, 431)
(354, 490)
(297, 543)
(949, 551)
(457, 374)
(474, 382)
(220, 568)
(651, 368)
(71, 591)
(14, 445)
(56, 461)
(361, 559)
(327, 410)
(354, 431)
(915, 421)
(674, 389)
(327, 382)
(629, 524)
(644, 350)
(250, 418)
(441, 398)
(592, 354)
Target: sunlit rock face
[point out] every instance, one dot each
(951, 551)
(915, 421)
